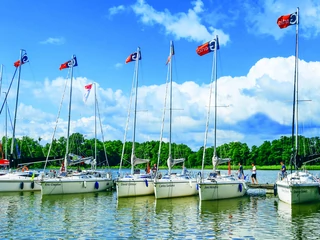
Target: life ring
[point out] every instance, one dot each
(24, 168)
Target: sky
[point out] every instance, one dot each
(255, 68)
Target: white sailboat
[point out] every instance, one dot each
(217, 186)
(13, 180)
(135, 183)
(298, 186)
(173, 184)
(67, 182)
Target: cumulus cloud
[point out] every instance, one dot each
(54, 41)
(259, 13)
(193, 25)
(181, 25)
(252, 108)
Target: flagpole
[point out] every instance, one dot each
(170, 109)
(215, 103)
(207, 121)
(135, 110)
(1, 71)
(15, 112)
(69, 115)
(297, 74)
(95, 125)
(6, 129)
(296, 91)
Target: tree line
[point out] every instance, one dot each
(268, 153)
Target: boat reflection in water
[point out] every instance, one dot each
(135, 216)
(228, 218)
(298, 218)
(177, 216)
(296, 211)
(135, 203)
(181, 206)
(224, 206)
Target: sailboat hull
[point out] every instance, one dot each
(298, 187)
(131, 187)
(298, 193)
(170, 188)
(215, 189)
(12, 182)
(71, 185)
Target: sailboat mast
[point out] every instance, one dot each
(95, 123)
(6, 127)
(208, 118)
(16, 108)
(170, 108)
(215, 100)
(295, 134)
(69, 117)
(1, 71)
(135, 111)
(296, 79)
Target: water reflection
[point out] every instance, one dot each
(134, 215)
(178, 216)
(299, 220)
(102, 216)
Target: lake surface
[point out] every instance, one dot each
(103, 216)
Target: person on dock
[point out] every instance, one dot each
(254, 174)
(62, 168)
(283, 170)
(154, 168)
(240, 171)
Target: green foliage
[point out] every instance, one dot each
(267, 154)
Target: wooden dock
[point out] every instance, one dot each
(269, 187)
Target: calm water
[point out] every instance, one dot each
(102, 216)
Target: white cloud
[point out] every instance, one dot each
(188, 25)
(118, 65)
(55, 41)
(115, 10)
(258, 107)
(259, 15)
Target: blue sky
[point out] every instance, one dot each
(255, 67)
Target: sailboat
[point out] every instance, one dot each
(4, 162)
(298, 186)
(216, 186)
(23, 180)
(135, 183)
(67, 182)
(173, 184)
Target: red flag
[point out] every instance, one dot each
(287, 20)
(133, 57)
(71, 63)
(208, 47)
(87, 91)
(24, 60)
(63, 65)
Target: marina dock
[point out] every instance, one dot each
(269, 187)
